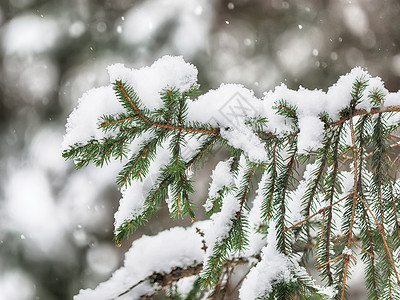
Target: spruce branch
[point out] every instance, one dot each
(317, 213)
(346, 257)
(131, 101)
(347, 198)
(123, 93)
(236, 237)
(382, 233)
(283, 184)
(159, 192)
(165, 279)
(269, 188)
(363, 112)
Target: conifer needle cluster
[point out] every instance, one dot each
(347, 199)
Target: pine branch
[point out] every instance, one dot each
(235, 239)
(382, 234)
(363, 112)
(223, 191)
(120, 121)
(269, 189)
(301, 212)
(130, 101)
(158, 193)
(322, 158)
(139, 163)
(369, 256)
(333, 183)
(282, 185)
(346, 256)
(165, 279)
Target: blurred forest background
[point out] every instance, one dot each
(56, 223)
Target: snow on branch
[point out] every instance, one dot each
(155, 123)
(174, 248)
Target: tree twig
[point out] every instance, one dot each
(165, 279)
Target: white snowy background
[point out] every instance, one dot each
(56, 223)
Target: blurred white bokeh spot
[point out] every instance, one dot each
(294, 49)
(395, 65)
(45, 150)
(32, 211)
(356, 20)
(21, 3)
(34, 80)
(16, 285)
(147, 20)
(76, 29)
(103, 258)
(27, 34)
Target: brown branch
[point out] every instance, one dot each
(323, 227)
(211, 211)
(182, 128)
(200, 154)
(245, 193)
(165, 279)
(381, 232)
(317, 213)
(121, 88)
(105, 153)
(291, 112)
(330, 261)
(355, 112)
(362, 112)
(121, 151)
(330, 213)
(302, 294)
(162, 125)
(104, 124)
(216, 262)
(359, 246)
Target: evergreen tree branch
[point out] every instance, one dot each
(393, 201)
(371, 280)
(159, 193)
(381, 188)
(332, 182)
(313, 187)
(363, 112)
(365, 227)
(278, 153)
(382, 233)
(243, 198)
(120, 121)
(269, 189)
(235, 239)
(283, 183)
(349, 233)
(317, 213)
(121, 88)
(165, 279)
